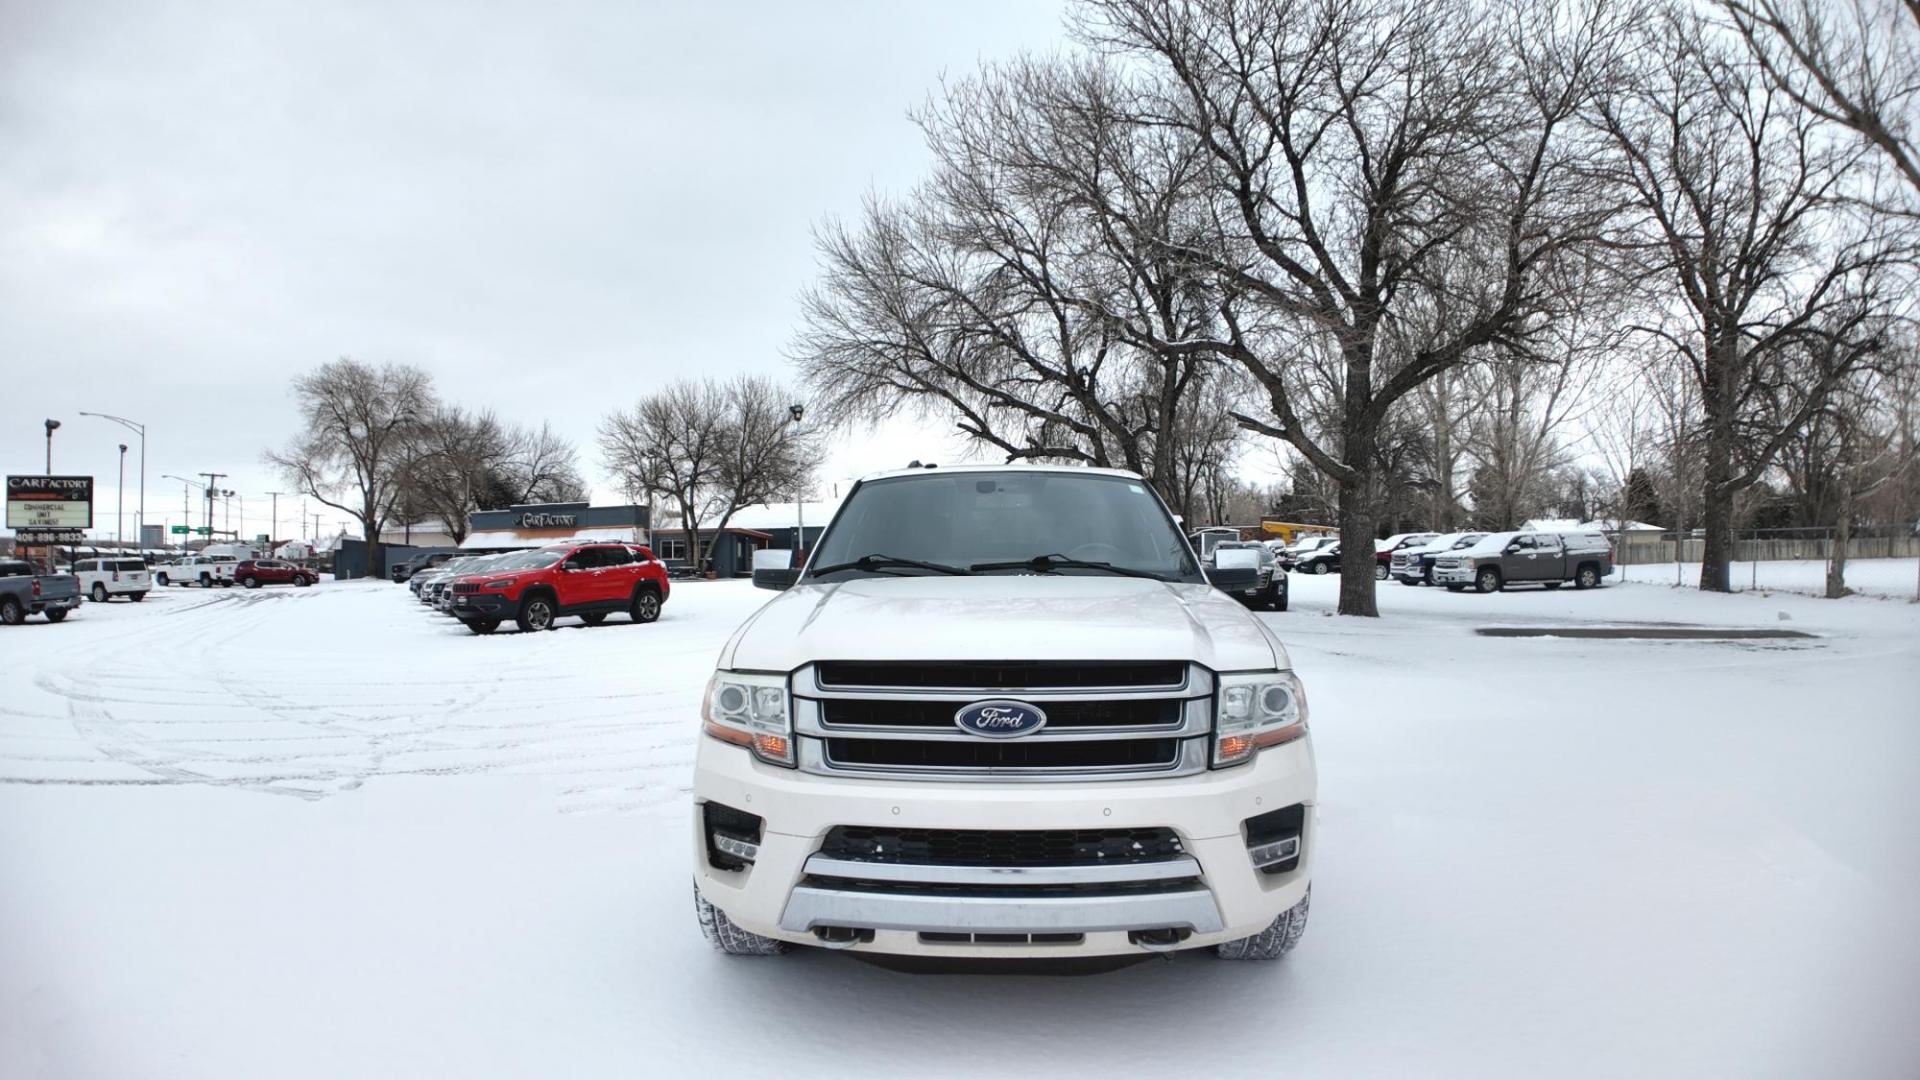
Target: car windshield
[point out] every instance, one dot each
(527, 560)
(1052, 522)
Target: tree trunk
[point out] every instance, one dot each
(367, 526)
(1716, 555)
(1842, 536)
(1356, 542)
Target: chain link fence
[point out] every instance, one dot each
(1879, 558)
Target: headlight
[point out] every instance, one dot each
(503, 583)
(749, 709)
(1255, 710)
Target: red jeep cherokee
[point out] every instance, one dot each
(533, 588)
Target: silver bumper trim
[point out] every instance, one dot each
(1176, 869)
(1182, 909)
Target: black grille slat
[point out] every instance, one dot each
(1003, 675)
(1011, 754)
(1000, 847)
(1139, 712)
(465, 587)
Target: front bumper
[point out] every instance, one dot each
(1217, 895)
(1455, 575)
(470, 606)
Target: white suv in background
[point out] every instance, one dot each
(1002, 713)
(103, 579)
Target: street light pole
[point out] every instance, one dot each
(139, 514)
(120, 503)
(52, 426)
(800, 494)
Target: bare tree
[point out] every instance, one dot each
(357, 424)
(1019, 290)
(1762, 286)
(540, 466)
(709, 448)
(1398, 185)
(671, 444)
(766, 454)
(1854, 63)
(451, 462)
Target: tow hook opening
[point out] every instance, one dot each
(842, 937)
(1164, 939)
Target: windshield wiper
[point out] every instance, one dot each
(1047, 563)
(877, 561)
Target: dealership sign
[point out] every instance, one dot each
(47, 504)
(546, 520)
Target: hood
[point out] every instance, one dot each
(1023, 617)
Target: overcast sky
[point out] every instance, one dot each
(551, 208)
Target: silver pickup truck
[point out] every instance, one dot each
(24, 593)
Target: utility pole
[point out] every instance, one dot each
(211, 478)
(274, 532)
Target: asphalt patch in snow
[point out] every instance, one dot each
(1643, 633)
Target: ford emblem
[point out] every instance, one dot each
(1000, 719)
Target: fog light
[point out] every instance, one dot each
(1265, 855)
(744, 850)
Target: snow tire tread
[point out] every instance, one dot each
(1276, 941)
(728, 938)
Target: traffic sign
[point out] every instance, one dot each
(203, 530)
(180, 530)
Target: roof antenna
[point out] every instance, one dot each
(914, 464)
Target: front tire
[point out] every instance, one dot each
(646, 606)
(302, 581)
(1319, 568)
(726, 937)
(1379, 572)
(536, 613)
(1276, 941)
(161, 580)
(1488, 580)
(99, 593)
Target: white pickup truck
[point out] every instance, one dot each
(1002, 712)
(205, 571)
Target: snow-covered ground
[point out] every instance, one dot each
(325, 832)
(1869, 577)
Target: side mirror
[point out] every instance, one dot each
(772, 559)
(779, 579)
(1512, 548)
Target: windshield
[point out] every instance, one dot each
(527, 560)
(961, 520)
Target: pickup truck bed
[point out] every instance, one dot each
(24, 594)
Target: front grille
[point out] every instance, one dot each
(1105, 719)
(1021, 754)
(997, 675)
(1001, 847)
(465, 587)
(1124, 713)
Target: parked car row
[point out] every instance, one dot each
(536, 587)
(1483, 561)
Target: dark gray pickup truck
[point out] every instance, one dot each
(1548, 559)
(24, 593)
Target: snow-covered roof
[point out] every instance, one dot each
(520, 538)
(769, 516)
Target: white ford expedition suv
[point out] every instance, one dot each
(1001, 712)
